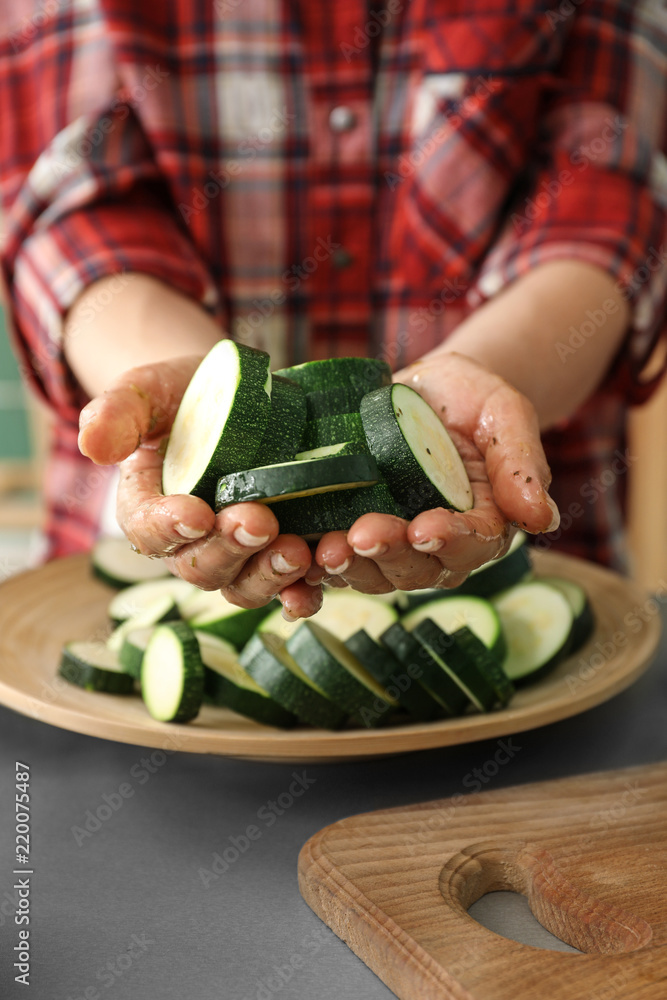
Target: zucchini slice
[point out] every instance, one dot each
(226, 683)
(91, 665)
(339, 674)
(343, 612)
(337, 399)
(301, 478)
(221, 420)
(311, 517)
(340, 448)
(287, 422)
(416, 659)
(537, 622)
(132, 651)
(161, 609)
(390, 673)
(358, 374)
(336, 428)
(172, 674)
(266, 660)
(584, 619)
(208, 611)
(453, 612)
(457, 664)
(415, 453)
(135, 599)
(486, 662)
(116, 563)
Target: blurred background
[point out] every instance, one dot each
(24, 429)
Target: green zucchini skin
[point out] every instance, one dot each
(131, 654)
(232, 443)
(77, 667)
(266, 660)
(416, 656)
(234, 625)
(287, 422)
(486, 662)
(415, 485)
(450, 611)
(311, 648)
(393, 676)
(311, 517)
(190, 669)
(442, 646)
(222, 692)
(360, 375)
(338, 399)
(333, 429)
(287, 480)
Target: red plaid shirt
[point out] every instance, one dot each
(333, 178)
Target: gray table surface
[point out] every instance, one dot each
(135, 908)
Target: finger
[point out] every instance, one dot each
(463, 541)
(384, 539)
(299, 600)
(154, 523)
(268, 572)
(341, 563)
(214, 562)
(508, 437)
(141, 403)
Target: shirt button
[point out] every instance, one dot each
(341, 258)
(342, 119)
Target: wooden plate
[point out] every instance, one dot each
(44, 608)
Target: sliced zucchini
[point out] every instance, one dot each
(132, 651)
(172, 674)
(161, 609)
(334, 429)
(416, 659)
(302, 478)
(453, 612)
(115, 562)
(584, 619)
(339, 674)
(343, 612)
(91, 665)
(415, 453)
(226, 683)
(537, 622)
(462, 670)
(358, 374)
(486, 662)
(287, 422)
(208, 611)
(340, 448)
(221, 420)
(133, 600)
(390, 673)
(338, 399)
(311, 517)
(266, 660)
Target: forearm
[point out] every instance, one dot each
(119, 323)
(524, 334)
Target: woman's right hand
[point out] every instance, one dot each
(238, 551)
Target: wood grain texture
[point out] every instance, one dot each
(589, 853)
(42, 609)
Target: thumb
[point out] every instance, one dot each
(141, 403)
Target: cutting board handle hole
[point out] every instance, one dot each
(571, 914)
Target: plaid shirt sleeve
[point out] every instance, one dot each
(82, 196)
(598, 188)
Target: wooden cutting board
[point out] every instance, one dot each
(589, 853)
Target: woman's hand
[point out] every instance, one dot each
(238, 551)
(496, 431)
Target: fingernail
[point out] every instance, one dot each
(85, 418)
(185, 531)
(288, 617)
(280, 565)
(337, 570)
(244, 537)
(314, 581)
(432, 545)
(375, 550)
(555, 520)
